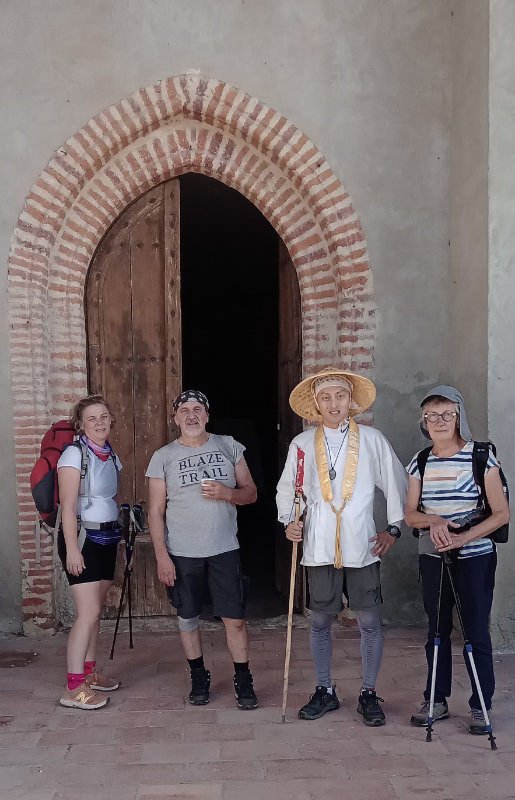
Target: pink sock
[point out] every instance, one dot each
(89, 667)
(74, 680)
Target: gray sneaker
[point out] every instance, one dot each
(477, 722)
(440, 711)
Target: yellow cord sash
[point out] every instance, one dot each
(349, 476)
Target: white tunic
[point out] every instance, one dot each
(377, 466)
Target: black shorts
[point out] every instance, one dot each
(221, 573)
(100, 561)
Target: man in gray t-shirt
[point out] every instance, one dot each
(196, 482)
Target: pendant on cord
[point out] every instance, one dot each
(332, 464)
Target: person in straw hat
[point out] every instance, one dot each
(343, 463)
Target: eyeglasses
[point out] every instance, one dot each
(447, 416)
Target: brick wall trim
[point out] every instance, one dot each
(188, 123)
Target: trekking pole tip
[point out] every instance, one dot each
(492, 742)
(283, 718)
(429, 735)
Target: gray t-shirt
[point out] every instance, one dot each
(197, 527)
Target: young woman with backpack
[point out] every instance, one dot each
(87, 544)
(442, 504)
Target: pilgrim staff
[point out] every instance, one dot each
(298, 494)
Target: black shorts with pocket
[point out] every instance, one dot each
(224, 579)
(99, 559)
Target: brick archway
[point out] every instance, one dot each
(184, 124)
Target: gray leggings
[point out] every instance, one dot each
(369, 622)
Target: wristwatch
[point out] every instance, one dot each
(394, 530)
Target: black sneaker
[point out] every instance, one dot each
(244, 690)
(369, 706)
(200, 683)
(320, 702)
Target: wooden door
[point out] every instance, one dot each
(289, 424)
(134, 354)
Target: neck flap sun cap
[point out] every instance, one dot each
(452, 394)
(190, 396)
(302, 398)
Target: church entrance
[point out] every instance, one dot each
(193, 288)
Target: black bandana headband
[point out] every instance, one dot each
(190, 396)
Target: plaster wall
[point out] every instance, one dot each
(367, 81)
(468, 284)
(501, 276)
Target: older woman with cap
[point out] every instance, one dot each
(440, 503)
(343, 463)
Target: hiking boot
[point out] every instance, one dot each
(320, 702)
(102, 683)
(478, 722)
(244, 690)
(440, 711)
(369, 705)
(200, 683)
(83, 697)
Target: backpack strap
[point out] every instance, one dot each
(480, 455)
(421, 464)
(84, 489)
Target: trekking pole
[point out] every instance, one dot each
(430, 719)
(290, 613)
(125, 512)
(468, 650)
(137, 525)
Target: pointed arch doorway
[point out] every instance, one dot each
(192, 287)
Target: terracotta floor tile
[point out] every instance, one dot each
(191, 791)
(295, 789)
(151, 744)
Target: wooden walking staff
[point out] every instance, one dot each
(299, 480)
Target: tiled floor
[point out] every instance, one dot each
(150, 744)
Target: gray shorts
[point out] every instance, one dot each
(360, 585)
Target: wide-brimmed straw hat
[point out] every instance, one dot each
(302, 399)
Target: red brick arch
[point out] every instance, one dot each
(184, 124)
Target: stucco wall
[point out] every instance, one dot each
(501, 276)
(368, 82)
(469, 209)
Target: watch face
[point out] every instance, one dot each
(393, 530)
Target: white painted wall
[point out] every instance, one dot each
(368, 81)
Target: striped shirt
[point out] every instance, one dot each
(449, 490)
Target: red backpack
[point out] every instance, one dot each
(43, 478)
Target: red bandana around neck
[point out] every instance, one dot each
(103, 453)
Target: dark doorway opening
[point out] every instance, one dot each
(230, 308)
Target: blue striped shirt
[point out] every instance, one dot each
(449, 490)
